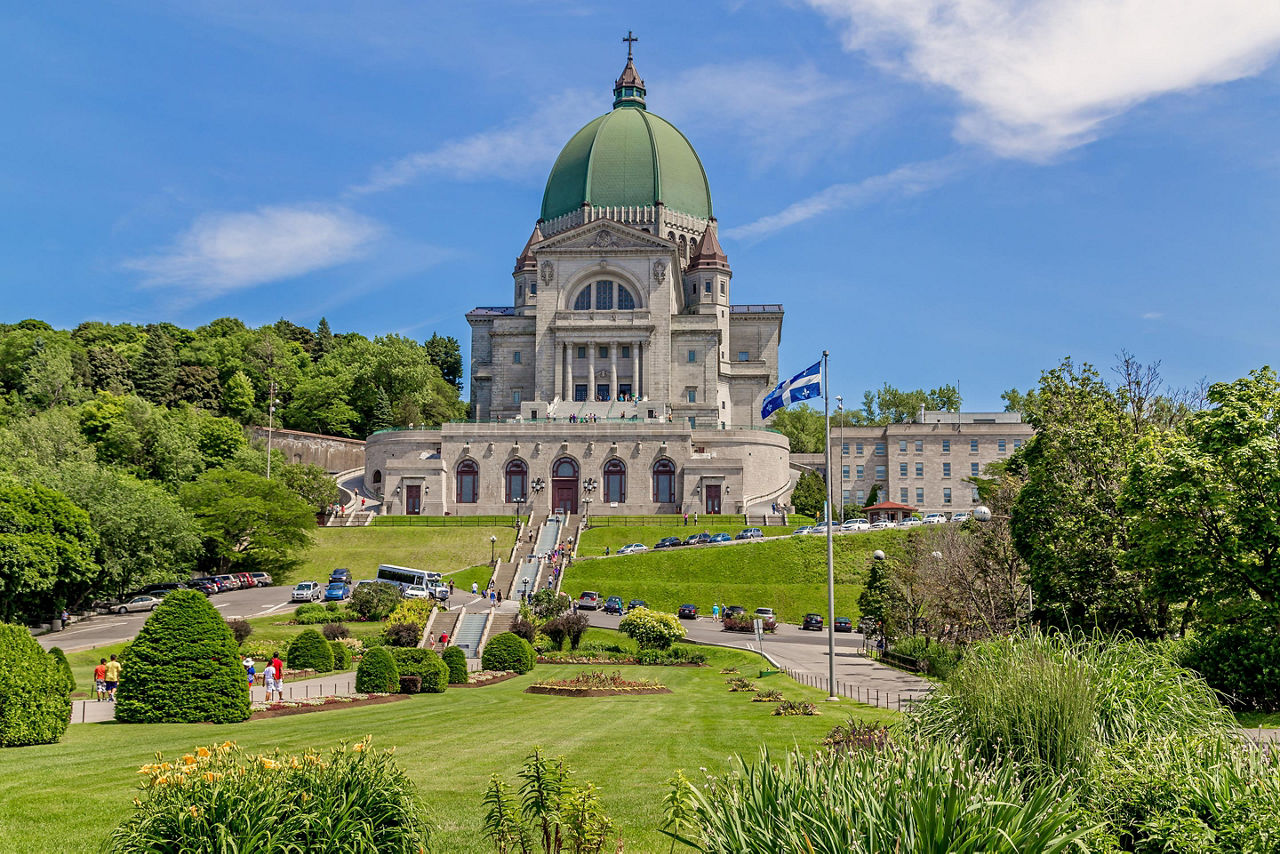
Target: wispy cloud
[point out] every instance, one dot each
(907, 180)
(1152, 315)
(1039, 77)
(523, 147)
(223, 252)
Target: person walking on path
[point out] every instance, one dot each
(444, 639)
(686, 519)
(100, 680)
(499, 597)
(475, 588)
(250, 671)
(493, 598)
(450, 586)
(113, 678)
(431, 640)
(278, 666)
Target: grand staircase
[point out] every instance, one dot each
(469, 632)
(507, 573)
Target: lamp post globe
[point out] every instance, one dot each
(982, 513)
(493, 546)
(878, 554)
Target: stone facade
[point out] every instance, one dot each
(334, 454)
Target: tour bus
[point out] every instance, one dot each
(404, 577)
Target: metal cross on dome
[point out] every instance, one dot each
(630, 40)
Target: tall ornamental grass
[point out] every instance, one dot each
(354, 800)
(923, 800)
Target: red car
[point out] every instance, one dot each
(246, 580)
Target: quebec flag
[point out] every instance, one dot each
(803, 386)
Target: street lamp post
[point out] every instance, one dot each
(493, 550)
(840, 415)
(982, 513)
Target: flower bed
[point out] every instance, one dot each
(485, 677)
(282, 708)
(596, 683)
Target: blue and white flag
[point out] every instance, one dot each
(803, 386)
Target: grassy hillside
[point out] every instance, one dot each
(442, 550)
(789, 575)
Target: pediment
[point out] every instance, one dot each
(603, 235)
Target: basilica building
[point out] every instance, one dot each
(621, 373)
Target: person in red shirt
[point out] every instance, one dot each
(100, 679)
(278, 666)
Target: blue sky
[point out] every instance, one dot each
(939, 191)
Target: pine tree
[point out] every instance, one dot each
(808, 496)
(324, 338)
(382, 415)
(156, 371)
(873, 497)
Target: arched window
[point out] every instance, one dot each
(604, 296)
(615, 481)
(684, 248)
(565, 467)
(468, 482)
(517, 477)
(664, 482)
(377, 477)
(626, 302)
(583, 302)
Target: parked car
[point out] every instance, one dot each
(764, 613)
(881, 525)
(589, 601)
(934, 519)
(612, 605)
(820, 528)
(337, 591)
(812, 621)
(246, 580)
(667, 543)
(802, 530)
(413, 591)
(263, 578)
(228, 582)
(843, 624)
(203, 585)
(855, 525)
(687, 612)
(697, 539)
(307, 591)
(138, 603)
(750, 534)
(913, 522)
(161, 589)
(438, 591)
(637, 603)
(720, 538)
(343, 575)
(633, 548)
(962, 516)
(735, 611)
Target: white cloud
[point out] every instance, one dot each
(525, 146)
(1039, 77)
(1152, 315)
(225, 252)
(906, 180)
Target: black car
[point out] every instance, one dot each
(161, 589)
(613, 605)
(735, 611)
(697, 539)
(812, 621)
(843, 624)
(343, 575)
(668, 543)
(688, 612)
(203, 585)
(637, 603)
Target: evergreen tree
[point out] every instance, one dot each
(382, 414)
(808, 496)
(237, 395)
(446, 354)
(324, 338)
(156, 372)
(873, 495)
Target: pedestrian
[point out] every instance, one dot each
(250, 671)
(493, 598)
(269, 680)
(100, 679)
(475, 588)
(362, 502)
(450, 586)
(715, 612)
(278, 666)
(431, 639)
(66, 618)
(686, 519)
(499, 597)
(444, 638)
(695, 517)
(113, 678)
(606, 551)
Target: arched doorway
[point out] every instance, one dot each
(564, 485)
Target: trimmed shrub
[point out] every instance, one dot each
(377, 672)
(310, 609)
(325, 615)
(410, 684)
(403, 634)
(526, 629)
(651, 629)
(414, 611)
(35, 702)
(424, 664)
(456, 660)
(576, 626)
(64, 666)
(554, 630)
(341, 655)
(183, 667)
(334, 631)
(240, 630)
(508, 651)
(310, 651)
(375, 601)
(351, 798)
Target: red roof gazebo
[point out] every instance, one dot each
(890, 511)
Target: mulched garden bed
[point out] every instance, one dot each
(556, 691)
(303, 707)
(626, 662)
(492, 680)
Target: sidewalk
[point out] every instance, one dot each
(94, 712)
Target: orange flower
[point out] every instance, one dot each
(202, 752)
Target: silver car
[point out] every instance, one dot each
(307, 591)
(138, 603)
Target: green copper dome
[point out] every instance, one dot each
(628, 157)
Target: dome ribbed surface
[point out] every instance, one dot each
(624, 158)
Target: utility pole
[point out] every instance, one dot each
(831, 570)
(271, 423)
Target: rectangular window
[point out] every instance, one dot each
(858, 448)
(844, 496)
(844, 472)
(693, 422)
(515, 357)
(692, 394)
(919, 469)
(1017, 443)
(580, 392)
(973, 446)
(533, 288)
(1000, 445)
(604, 295)
(946, 469)
(722, 289)
(861, 472)
(902, 469)
(919, 495)
(880, 473)
(902, 446)
(626, 352)
(515, 397)
(693, 356)
(582, 352)
(946, 495)
(919, 446)
(974, 469)
(880, 449)
(603, 352)
(844, 449)
(706, 288)
(946, 446)
(744, 356)
(902, 495)
(862, 496)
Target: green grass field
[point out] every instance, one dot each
(594, 540)
(66, 797)
(360, 550)
(787, 575)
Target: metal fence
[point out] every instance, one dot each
(748, 520)
(448, 521)
(892, 700)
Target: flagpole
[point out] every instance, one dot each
(831, 567)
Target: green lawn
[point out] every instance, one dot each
(66, 797)
(1253, 720)
(788, 575)
(360, 550)
(594, 540)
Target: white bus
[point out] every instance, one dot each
(404, 577)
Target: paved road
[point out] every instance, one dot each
(115, 628)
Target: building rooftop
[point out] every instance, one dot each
(766, 308)
(491, 311)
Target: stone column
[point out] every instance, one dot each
(568, 371)
(558, 389)
(635, 370)
(613, 371)
(591, 370)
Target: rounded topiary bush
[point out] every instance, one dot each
(651, 629)
(183, 667)
(35, 703)
(424, 664)
(65, 667)
(341, 655)
(508, 651)
(377, 672)
(456, 660)
(310, 651)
